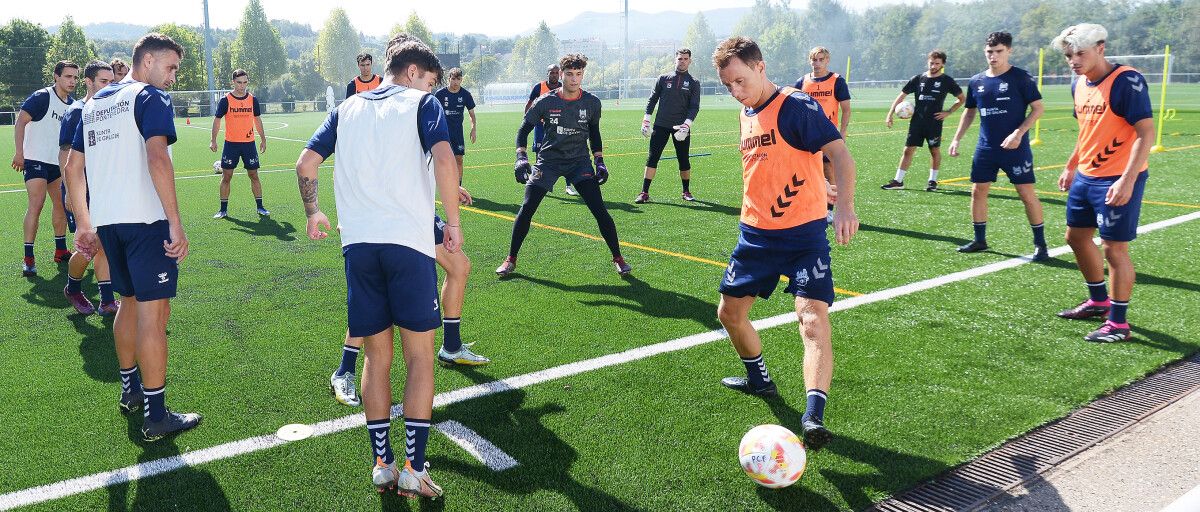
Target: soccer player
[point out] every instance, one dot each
(366, 79)
(242, 114)
(1105, 175)
(785, 134)
(931, 88)
(96, 75)
(574, 117)
(550, 84)
(1002, 94)
(119, 68)
(134, 215)
(453, 352)
(383, 187)
(680, 95)
(832, 93)
(454, 100)
(36, 155)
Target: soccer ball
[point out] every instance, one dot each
(904, 110)
(772, 455)
(217, 167)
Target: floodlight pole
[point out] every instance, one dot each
(625, 47)
(208, 49)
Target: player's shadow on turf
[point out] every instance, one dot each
(1144, 279)
(265, 226)
(544, 459)
(893, 471)
(704, 206)
(186, 488)
(920, 235)
(46, 293)
(1161, 340)
(640, 297)
(492, 206)
(96, 347)
(1013, 197)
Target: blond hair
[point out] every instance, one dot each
(818, 50)
(1078, 37)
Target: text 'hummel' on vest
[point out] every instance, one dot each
(764, 140)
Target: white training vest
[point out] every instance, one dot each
(118, 173)
(41, 137)
(382, 183)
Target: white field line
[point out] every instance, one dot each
(209, 129)
(482, 449)
(1189, 502)
(95, 481)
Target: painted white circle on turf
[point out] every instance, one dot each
(294, 432)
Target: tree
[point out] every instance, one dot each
(479, 72)
(756, 22)
(70, 44)
(701, 40)
(23, 51)
(337, 46)
(416, 27)
(533, 53)
(309, 84)
(258, 48)
(191, 75)
(222, 63)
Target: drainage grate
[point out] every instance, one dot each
(974, 483)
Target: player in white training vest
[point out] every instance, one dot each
(134, 214)
(383, 189)
(36, 155)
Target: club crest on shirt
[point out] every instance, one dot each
(1003, 87)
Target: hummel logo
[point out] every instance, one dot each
(380, 435)
(812, 105)
(435, 305)
(1138, 85)
(162, 278)
(166, 101)
(817, 270)
(410, 433)
(380, 443)
(1110, 221)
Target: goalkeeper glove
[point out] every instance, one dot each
(521, 169)
(682, 131)
(601, 171)
(646, 126)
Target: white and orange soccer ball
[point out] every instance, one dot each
(772, 456)
(904, 110)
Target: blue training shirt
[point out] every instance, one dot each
(38, 103)
(151, 110)
(431, 125)
(802, 122)
(456, 104)
(70, 123)
(1129, 98)
(1002, 102)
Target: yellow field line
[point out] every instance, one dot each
(951, 181)
(623, 243)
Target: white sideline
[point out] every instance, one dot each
(95, 481)
(1189, 502)
(268, 136)
(482, 449)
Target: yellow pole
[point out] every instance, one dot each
(1037, 127)
(847, 68)
(1162, 103)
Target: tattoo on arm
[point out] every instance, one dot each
(308, 193)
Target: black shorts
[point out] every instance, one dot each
(658, 141)
(926, 130)
(545, 174)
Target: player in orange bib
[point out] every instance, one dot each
(366, 80)
(1106, 174)
(784, 134)
(241, 112)
(831, 91)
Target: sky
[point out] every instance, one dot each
(371, 17)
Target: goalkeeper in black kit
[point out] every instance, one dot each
(571, 116)
(678, 97)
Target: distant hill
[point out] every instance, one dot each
(110, 31)
(661, 25)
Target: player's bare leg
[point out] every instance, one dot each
(817, 334)
(734, 315)
(226, 179)
(458, 268)
(256, 189)
(58, 214)
(1033, 211)
(36, 189)
(906, 158)
(151, 330)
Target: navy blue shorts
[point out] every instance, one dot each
(41, 170)
(247, 152)
(1086, 208)
(1016, 163)
(439, 234)
(457, 144)
(137, 261)
(545, 174)
(389, 284)
(759, 260)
